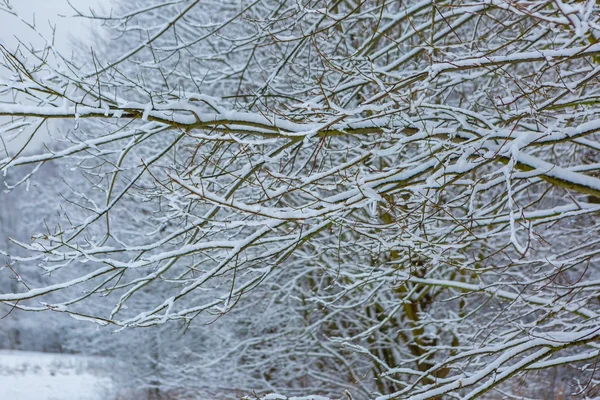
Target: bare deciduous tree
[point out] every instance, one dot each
(396, 199)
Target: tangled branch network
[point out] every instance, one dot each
(408, 190)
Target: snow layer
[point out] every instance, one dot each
(44, 376)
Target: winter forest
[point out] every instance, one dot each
(310, 199)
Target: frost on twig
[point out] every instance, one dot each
(383, 200)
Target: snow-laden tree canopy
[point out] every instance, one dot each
(387, 199)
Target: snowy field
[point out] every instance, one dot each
(43, 376)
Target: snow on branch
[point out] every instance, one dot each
(368, 200)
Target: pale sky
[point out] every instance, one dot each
(43, 13)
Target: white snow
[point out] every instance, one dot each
(275, 396)
(46, 376)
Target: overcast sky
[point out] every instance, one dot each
(43, 13)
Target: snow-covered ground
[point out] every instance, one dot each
(43, 376)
